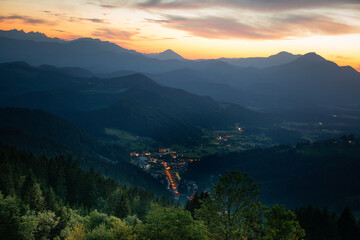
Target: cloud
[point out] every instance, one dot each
(110, 33)
(108, 6)
(258, 5)
(25, 19)
(279, 27)
(342, 57)
(58, 30)
(215, 27)
(156, 20)
(94, 20)
(65, 17)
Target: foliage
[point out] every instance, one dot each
(122, 231)
(281, 224)
(233, 210)
(78, 232)
(58, 200)
(195, 202)
(319, 224)
(170, 223)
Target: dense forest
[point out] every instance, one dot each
(45, 198)
(323, 173)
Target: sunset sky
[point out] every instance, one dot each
(200, 29)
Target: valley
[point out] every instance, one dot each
(179, 120)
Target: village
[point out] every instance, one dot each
(165, 162)
(169, 164)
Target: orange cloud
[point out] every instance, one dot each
(257, 5)
(25, 19)
(111, 33)
(280, 27)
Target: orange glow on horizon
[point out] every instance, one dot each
(148, 30)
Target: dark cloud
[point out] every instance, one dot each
(279, 27)
(110, 33)
(260, 5)
(94, 20)
(25, 19)
(107, 6)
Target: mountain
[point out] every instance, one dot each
(310, 80)
(33, 36)
(166, 55)
(163, 113)
(45, 134)
(133, 103)
(92, 54)
(71, 71)
(262, 62)
(99, 57)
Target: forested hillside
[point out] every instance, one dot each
(323, 173)
(44, 198)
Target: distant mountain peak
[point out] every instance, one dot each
(312, 57)
(33, 36)
(283, 53)
(166, 55)
(169, 51)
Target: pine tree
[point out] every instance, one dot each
(31, 193)
(51, 202)
(348, 228)
(118, 204)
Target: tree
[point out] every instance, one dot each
(118, 204)
(192, 204)
(95, 219)
(38, 225)
(233, 210)
(10, 212)
(121, 231)
(170, 223)
(348, 228)
(78, 232)
(281, 224)
(31, 193)
(47, 221)
(317, 223)
(51, 202)
(100, 232)
(195, 201)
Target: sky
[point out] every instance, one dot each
(200, 29)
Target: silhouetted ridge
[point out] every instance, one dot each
(166, 55)
(15, 64)
(311, 57)
(134, 80)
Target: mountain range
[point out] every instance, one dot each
(308, 81)
(104, 57)
(133, 103)
(282, 81)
